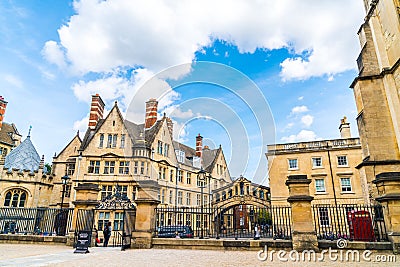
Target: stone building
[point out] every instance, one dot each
(376, 89)
(330, 164)
(24, 182)
(9, 135)
(117, 152)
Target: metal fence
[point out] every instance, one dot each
(352, 222)
(234, 222)
(39, 221)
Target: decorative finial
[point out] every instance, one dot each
(77, 133)
(29, 132)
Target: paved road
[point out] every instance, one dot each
(41, 255)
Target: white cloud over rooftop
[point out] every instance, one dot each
(104, 35)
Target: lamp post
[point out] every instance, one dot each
(201, 176)
(64, 180)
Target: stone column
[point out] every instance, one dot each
(146, 203)
(86, 199)
(388, 186)
(303, 232)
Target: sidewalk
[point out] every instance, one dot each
(41, 255)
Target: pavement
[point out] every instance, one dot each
(60, 255)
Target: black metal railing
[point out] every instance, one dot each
(117, 239)
(234, 222)
(352, 222)
(40, 221)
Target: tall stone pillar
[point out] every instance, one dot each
(146, 203)
(388, 186)
(86, 200)
(303, 232)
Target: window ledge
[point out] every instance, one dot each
(321, 193)
(347, 192)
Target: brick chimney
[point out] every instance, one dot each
(199, 145)
(3, 105)
(170, 126)
(344, 128)
(151, 113)
(96, 111)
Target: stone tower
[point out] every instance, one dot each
(376, 88)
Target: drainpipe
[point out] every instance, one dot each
(330, 169)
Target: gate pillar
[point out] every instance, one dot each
(146, 203)
(388, 185)
(86, 199)
(303, 232)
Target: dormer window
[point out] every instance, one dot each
(197, 162)
(180, 155)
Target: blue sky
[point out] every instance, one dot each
(296, 58)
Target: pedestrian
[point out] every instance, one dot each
(107, 234)
(177, 235)
(256, 232)
(96, 237)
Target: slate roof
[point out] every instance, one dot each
(134, 131)
(209, 157)
(6, 133)
(23, 157)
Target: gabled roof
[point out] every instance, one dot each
(23, 157)
(135, 131)
(209, 158)
(70, 142)
(6, 132)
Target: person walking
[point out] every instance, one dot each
(107, 234)
(256, 231)
(96, 237)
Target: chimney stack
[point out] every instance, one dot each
(344, 128)
(3, 105)
(96, 111)
(199, 145)
(151, 113)
(170, 126)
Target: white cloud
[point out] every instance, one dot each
(299, 109)
(54, 54)
(307, 120)
(302, 136)
(175, 112)
(300, 98)
(13, 80)
(81, 125)
(103, 35)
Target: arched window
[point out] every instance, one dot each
(15, 198)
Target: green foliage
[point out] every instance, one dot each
(47, 168)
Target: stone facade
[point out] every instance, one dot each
(239, 191)
(24, 181)
(376, 89)
(330, 164)
(119, 152)
(9, 135)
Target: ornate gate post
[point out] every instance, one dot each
(146, 203)
(388, 185)
(86, 200)
(303, 232)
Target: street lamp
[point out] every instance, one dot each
(64, 180)
(201, 176)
